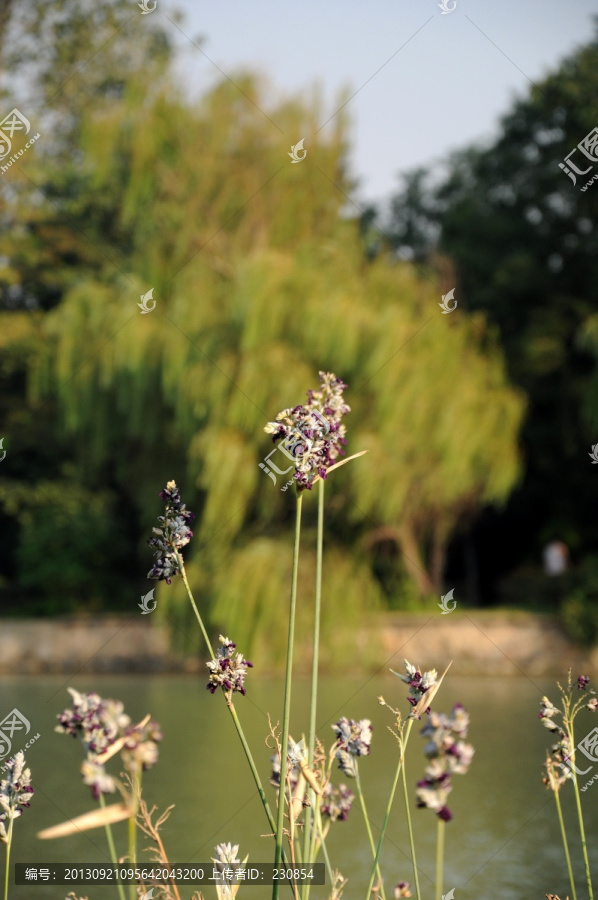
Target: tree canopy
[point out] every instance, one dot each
(523, 240)
(260, 281)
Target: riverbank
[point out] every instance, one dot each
(493, 642)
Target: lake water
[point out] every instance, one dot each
(503, 842)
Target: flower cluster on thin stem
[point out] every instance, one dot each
(172, 535)
(449, 755)
(100, 723)
(352, 739)
(419, 684)
(226, 855)
(15, 793)
(312, 434)
(561, 751)
(336, 802)
(228, 669)
(563, 757)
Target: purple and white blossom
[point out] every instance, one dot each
(312, 434)
(228, 669)
(336, 802)
(352, 739)
(172, 535)
(15, 794)
(449, 755)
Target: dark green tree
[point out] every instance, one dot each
(524, 241)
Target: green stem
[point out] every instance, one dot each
(410, 828)
(195, 609)
(132, 829)
(284, 745)
(112, 848)
(6, 876)
(368, 829)
(565, 844)
(582, 831)
(400, 763)
(252, 766)
(323, 844)
(231, 708)
(439, 858)
(309, 818)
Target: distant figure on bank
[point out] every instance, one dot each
(556, 558)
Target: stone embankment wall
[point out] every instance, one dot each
(478, 642)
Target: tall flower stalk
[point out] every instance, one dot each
(403, 737)
(111, 847)
(563, 756)
(171, 536)
(554, 783)
(15, 794)
(105, 730)
(422, 689)
(312, 436)
(310, 818)
(440, 826)
(287, 694)
(448, 755)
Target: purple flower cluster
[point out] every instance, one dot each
(336, 802)
(100, 723)
(96, 721)
(562, 750)
(312, 435)
(448, 754)
(352, 739)
(140, 749)
(172, 535)
(228, 669)
(15, 793)
(418, 684)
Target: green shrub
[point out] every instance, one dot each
(579, 609)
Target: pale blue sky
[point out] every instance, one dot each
(454, 76)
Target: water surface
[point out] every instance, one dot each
(504, 841)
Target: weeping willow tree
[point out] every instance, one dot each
(260, 280)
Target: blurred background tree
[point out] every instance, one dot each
(261, 278)
(523, 240)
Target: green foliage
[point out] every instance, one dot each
(579, 609)
(524, 242)
(68, 550)
(260, 281)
